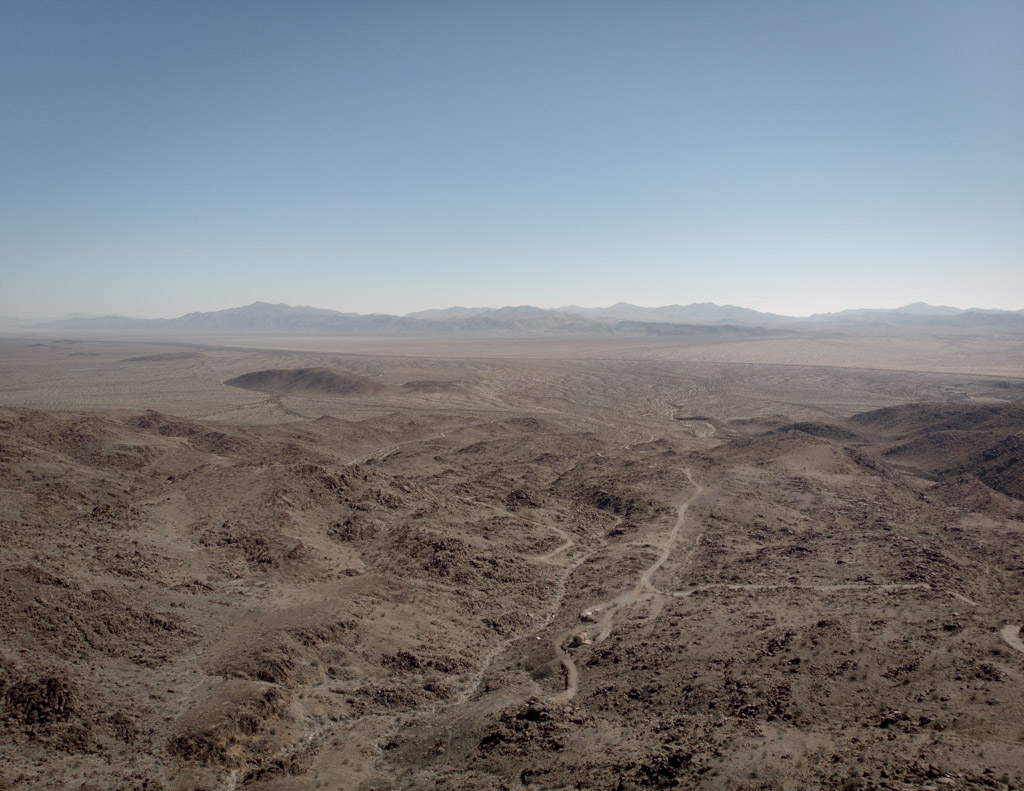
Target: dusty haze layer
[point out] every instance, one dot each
(386, 563)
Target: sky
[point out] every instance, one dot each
(158, 158)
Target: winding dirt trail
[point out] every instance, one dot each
(567, 543)
(670, 542)
(609, 610)
(388, 450)
(842, 587)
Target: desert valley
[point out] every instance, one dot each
(779, 560)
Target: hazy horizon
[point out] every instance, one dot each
(128, 314)
(793, 157)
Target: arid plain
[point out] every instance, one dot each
(372, 563)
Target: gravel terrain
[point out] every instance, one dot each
(278, 564)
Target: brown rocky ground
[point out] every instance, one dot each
(527, 567)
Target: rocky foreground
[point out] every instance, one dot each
(449, 600)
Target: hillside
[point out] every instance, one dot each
(517, 570)
(307, 381)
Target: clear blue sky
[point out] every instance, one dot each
(163, 157)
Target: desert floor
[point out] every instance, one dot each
(604, 564)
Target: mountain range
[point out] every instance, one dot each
(620, 319)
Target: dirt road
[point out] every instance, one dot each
(610, 611)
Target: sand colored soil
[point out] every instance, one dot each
(540, 570)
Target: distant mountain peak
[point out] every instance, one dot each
(622, 317)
